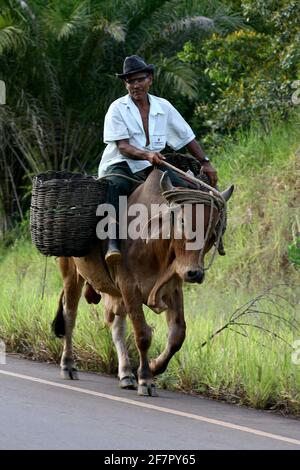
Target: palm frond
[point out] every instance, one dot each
(64, 22)
(115, 29)
(188, 23)
(176, 21)
(12, 37)
(23, 4)
(225, 23)
(172, 74)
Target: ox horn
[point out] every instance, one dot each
(227, 193)
(165, 183)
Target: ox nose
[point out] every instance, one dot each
(195, 276)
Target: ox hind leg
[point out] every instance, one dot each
(117, 323)
(176, 335)
(64, 321)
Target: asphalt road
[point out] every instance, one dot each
(39, 410)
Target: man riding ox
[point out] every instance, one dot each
(137, 128)
(143, 270)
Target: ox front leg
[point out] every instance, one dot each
(117, 324)
(176, 336)
(143, 336)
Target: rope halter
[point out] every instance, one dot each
(214, 200)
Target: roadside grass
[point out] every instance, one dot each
(244, 364)
(255, 370)
(265, 169)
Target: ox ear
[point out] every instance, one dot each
(165, 183)
(227, 193)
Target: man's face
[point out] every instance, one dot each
(138, 85)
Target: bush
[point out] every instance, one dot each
(246, 75)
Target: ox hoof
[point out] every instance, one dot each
(69, 373)
(147, 390)
(128, 383)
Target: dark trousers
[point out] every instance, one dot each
(120, 186)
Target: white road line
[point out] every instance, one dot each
(161, 409)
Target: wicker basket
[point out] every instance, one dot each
(63, 212)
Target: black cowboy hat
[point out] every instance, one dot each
(134, 64)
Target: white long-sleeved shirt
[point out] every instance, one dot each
(123, 121)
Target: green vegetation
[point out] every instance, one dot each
(246, 74)
(250, 361)
(223, 64)
(230, 67)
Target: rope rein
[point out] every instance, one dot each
(122, 176)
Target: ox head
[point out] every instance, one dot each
(188, 255)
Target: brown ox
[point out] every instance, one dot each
(151, 274)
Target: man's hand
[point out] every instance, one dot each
(208, 169)
(155, 158)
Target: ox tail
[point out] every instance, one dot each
(58, 324)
